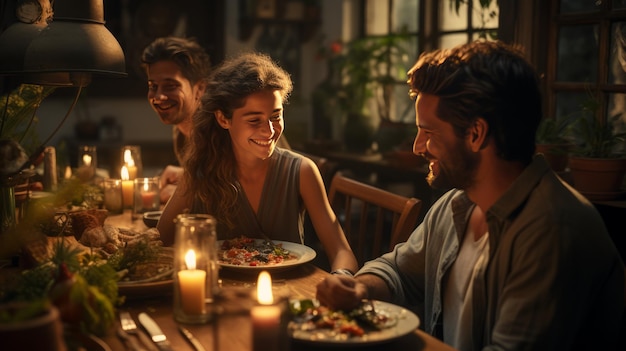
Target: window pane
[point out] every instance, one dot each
(377, 17)
(617, 74)
(451, 40)
(568, 6)
(405, 15)
(449, 19)
(412, 47)
(485, 17)
(570, 104)
(578, 54)
(404, 109)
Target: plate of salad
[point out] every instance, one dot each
(253, 255)
(372, 322)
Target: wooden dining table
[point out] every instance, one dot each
(231, 326)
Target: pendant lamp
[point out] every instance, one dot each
(66, 52)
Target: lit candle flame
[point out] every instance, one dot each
(264, 289)
(124, 173)
(190, 259)
(68, 172)
(128, 158)
(87, 160)
(146, 186)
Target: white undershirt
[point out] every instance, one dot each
(457, 295)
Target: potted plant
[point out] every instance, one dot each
(598, 160)
(551, 141)
(361, 72)
(18, 140)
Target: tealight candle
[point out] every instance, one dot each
(146, 193)
(147, 196)
(113, 198)
(192, 285)
(266, 317)
(127, 188)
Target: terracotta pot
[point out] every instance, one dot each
(595, 176)
(41, 332)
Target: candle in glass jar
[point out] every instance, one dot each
(192, 285)
(266, 323)
(147, 196)
(87, 160)
(127, 188)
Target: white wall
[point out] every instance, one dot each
(140, 123)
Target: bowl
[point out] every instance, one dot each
(151, 218)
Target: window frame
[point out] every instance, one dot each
(603, 17)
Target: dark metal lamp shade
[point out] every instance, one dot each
(67, 51)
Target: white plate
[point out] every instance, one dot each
(407, 322)
(161, 283)
(304, 253)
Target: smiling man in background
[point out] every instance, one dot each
(177, 69)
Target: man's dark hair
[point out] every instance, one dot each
(486, 79)
(192, 59)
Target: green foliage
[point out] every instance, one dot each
(23, 312)
(93, 288)
(598, 139)
(554, 130)
(368, 67)
(17, 112)
(594, 137)
(483, 12)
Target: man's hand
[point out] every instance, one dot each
(171, 175)
(169, 178)
(341, 292)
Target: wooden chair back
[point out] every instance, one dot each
(373, 219)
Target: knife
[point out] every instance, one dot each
(192, 339)
(155, 332)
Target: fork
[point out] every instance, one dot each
(130, 327)
(130, 341)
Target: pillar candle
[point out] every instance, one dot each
(192, 287)
(127, 188)
(129, 162)
(266, 317)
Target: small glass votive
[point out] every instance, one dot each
(87, 162)
(195, 268)
(146, 195)
(131, 158)
(113, 195)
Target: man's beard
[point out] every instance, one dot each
(457, 172)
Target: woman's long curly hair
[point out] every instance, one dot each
(210, 161)
(486, 79)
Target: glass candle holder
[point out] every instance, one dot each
(113, 195)
(146, 195)
(131, 158)
(195, 267)
(87, 162)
